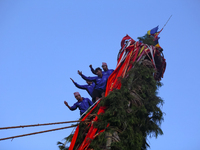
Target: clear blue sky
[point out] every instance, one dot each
(44, 43)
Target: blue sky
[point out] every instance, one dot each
(44, 43)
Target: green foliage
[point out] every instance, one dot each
(67, 140)
(133, 112)
(147, 39)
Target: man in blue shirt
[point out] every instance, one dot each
(83, 103)
(100, 83)
(89, 87)
(106, 71)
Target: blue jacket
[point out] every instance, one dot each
(100, 82)
(108, 72)
(82, 105)
(88, 88)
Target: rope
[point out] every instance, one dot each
(12, 137)
(23, 126)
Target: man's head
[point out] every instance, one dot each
(89, 82)
(98, 72)
(77, 96)
(104, 66)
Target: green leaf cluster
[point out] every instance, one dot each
(147, 39)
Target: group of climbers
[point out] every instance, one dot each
(95, 87)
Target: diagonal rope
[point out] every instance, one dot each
(33, 125)
(12, 137)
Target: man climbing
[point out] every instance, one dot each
(83, 103)
(89, 87)
(106, 71)
(100, 81)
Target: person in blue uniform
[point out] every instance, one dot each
(100, 83)
(89, 87)
(83, 103)
(105, 71)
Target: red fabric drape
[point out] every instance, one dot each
(129, 54)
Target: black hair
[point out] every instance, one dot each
(97, 69)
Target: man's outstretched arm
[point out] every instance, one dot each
(78, 85)
(87, 78)
(71, 108)
(92, 69)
